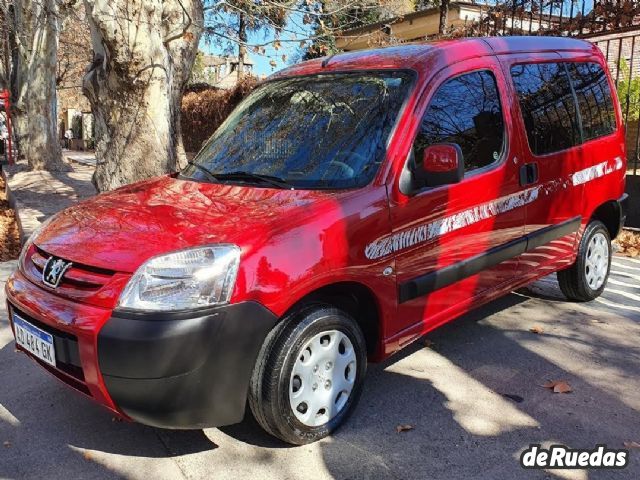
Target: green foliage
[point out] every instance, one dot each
(629, 91)
(199, 73)
(76, 125)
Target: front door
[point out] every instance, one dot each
(456, 242)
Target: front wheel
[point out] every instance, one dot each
(308, 375)
(587, 277)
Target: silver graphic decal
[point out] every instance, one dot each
(428, 231)
(596, 171)
(423, 233)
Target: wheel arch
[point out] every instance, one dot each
(609, 213)
(356, 299)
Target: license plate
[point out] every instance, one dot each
(37, 342)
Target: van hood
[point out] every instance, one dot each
(121, 229)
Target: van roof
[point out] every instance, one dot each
(420, 56)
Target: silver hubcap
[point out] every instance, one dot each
(597, 261)
(322, 378)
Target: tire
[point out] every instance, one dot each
(586, 279)
(318, 335)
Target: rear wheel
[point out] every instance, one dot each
(587, 277)
(308, 375)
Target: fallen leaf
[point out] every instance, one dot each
(427, 343)
(86, 455)
(558, 386)
(632, 445)
(6, 443)
(562, 387)
(403, 428)
(537, 329)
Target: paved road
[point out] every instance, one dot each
(473, 397)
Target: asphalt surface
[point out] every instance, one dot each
(473, 396)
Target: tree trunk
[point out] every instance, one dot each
(143, 54)
(444, 16)
(41, 144)
(33, 41)
(242, 46)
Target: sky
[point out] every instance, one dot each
(295, 32)
(291, 46)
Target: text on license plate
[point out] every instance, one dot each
(38, 342)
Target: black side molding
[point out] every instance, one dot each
(549, 234)
(444, 277)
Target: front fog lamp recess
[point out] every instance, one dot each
(192, 278)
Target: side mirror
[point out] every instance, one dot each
(442, 164)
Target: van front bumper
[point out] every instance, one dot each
(183, 370)
(187, 369)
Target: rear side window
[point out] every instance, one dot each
(594, 99)
(465, 110)
(548, 106)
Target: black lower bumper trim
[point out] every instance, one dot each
(181, 371)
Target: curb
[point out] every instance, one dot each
(13, 204)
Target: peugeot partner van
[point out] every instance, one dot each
(345, 208)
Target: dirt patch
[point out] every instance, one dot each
(9, 234)
(628, 243)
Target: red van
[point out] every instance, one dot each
(348, 206)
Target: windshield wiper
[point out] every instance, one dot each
(240, 175)
(205, 170)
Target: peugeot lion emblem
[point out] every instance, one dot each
(53, 271)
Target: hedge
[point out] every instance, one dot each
(205, 108)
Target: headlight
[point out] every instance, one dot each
(196, 277)
(32, 238)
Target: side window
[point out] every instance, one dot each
(465, 110)
(594, 99)
(548, 106)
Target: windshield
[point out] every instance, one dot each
(313, 132)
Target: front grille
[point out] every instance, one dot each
(79, 277)
(68, 365)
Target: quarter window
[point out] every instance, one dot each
(548, 106)
(594, 99)
(465, 110)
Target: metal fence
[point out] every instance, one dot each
(613, 25)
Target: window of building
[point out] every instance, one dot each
(548, 106)
(465, 110)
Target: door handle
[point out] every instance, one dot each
(528, 174)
